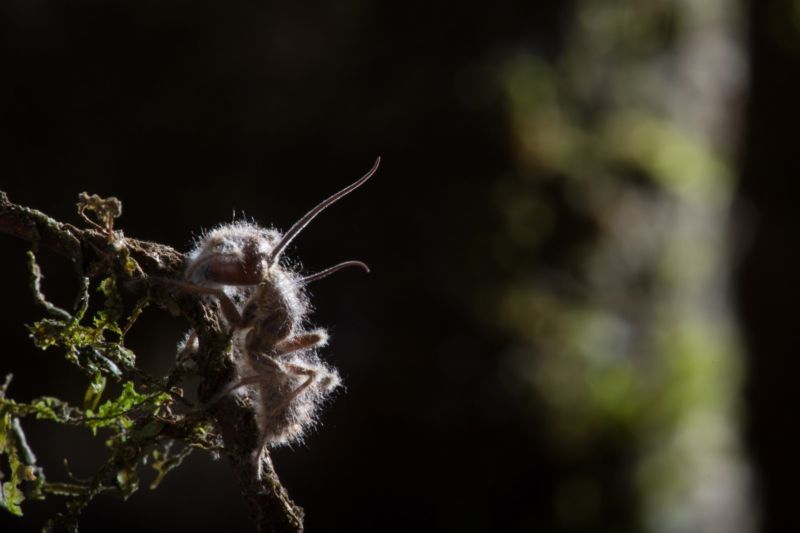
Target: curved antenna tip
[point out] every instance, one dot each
(308, 217)
(371, 171)
(328, 271)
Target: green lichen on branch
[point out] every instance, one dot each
(139, 425)
(148, 421)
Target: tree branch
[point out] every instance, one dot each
(146, 265)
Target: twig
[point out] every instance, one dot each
(95, 252)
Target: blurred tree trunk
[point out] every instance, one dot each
(616, 244)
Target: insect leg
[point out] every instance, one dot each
(227, 306)
(270, 368)
(277, 409)
(299, 342)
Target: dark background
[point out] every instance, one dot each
(189, 112)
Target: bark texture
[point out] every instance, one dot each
(96, 253)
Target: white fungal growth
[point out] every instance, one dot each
(276, 362)
(264, 303)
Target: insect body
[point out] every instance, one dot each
(264, 303)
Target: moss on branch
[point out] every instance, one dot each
(150, 421)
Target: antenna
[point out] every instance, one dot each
(298, 226)
(328, 271)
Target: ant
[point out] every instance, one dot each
(265, 305)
